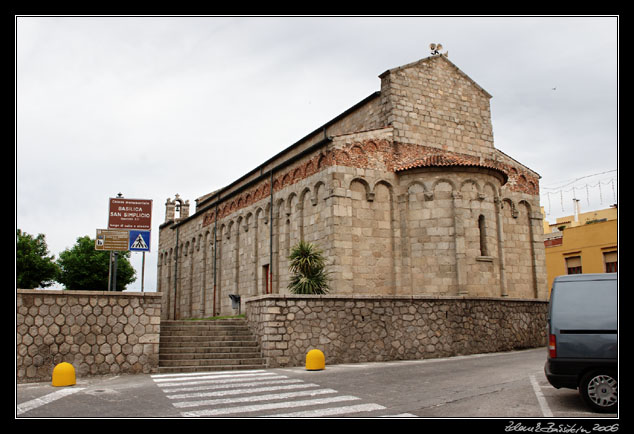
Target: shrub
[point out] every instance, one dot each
(307, 265)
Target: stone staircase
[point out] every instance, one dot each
(215, 345)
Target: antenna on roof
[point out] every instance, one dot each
(435, 50)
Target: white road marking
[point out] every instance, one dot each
(167, 380)
(400, 415)
(46, 399)
(270, 397)
(212, 383)
(242, 391)
(198, 374)
(270, 406)
(260, 391)
(332, 411)
(230, 385)
(540, 397)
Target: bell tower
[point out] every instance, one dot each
(176, 209)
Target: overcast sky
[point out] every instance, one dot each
(154, 106)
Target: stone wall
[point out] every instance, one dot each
(97, 332)
(353, 329)
(433, 102)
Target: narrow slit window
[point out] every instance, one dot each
(484, 251)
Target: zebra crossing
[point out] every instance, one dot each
(260, 393)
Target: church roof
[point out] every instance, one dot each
(451, 160)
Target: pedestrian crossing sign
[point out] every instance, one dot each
(139, 241)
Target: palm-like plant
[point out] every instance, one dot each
(307, 266)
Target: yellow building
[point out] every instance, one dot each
(583, 243)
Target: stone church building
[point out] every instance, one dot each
(404, 192)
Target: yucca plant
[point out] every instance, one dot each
(307, 265)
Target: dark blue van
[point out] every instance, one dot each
(583, 338)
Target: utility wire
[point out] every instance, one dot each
(577, 179)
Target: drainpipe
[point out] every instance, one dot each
(175, 274)
(271, 238)
(215, 251)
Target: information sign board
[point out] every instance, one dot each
(130, 214)
(112, 239)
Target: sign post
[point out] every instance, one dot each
(140, 242)
(129, 226)
(112, 239)
(130, 214)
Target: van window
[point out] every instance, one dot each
(589, 305)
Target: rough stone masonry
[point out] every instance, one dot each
(98, 332)
(357, 329)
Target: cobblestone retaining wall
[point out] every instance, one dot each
(97, 332)
(350, 329)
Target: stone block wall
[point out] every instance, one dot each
(97, 332)
(353, 329)
(404, 192)
(432, 102)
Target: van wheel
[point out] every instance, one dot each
(599, 390)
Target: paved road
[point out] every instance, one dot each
(501, 385)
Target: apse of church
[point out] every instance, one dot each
(404, 192)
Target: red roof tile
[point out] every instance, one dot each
(446, 160)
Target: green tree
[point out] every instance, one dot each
(307, 265)
(34, 267)
(84, 268)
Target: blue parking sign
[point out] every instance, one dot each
(139, 241)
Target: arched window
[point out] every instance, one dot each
(484, 251)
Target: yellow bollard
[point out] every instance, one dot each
(63, 375)
(315, 360)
